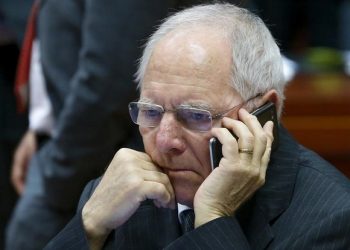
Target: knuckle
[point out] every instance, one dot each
(260, 181)
(159, 189)
(123, 157)
(230, 147)
(254, 173)
(262, 138)
(269, 136)
(163, 178)
(252, 118)
(247, 172)
(250, 139)
(260, 178)
(134, 181)
(122, 152)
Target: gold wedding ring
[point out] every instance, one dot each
(245, 151)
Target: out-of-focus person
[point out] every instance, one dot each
(13, 15)
(82, 61)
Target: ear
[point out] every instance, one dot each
(271, 96)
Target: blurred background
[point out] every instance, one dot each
(314, 39)
(13, 18)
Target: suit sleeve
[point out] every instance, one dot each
(221, 233)
(94, 119)
(73, 235)
(330, 233)
(225, 233)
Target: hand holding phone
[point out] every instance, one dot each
(265, 113)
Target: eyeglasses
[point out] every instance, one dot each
(201, 120)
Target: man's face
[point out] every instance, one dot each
(188, 67)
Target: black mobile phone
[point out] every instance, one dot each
(265, 113)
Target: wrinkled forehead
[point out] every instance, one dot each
(195, 51)
(193, 63)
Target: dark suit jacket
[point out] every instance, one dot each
(89, 50)
(304, 204)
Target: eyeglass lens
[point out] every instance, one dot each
(150, 115)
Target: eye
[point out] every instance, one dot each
(150, 113)
(190, 115)
(197, 116)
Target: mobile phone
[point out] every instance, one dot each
(265, 113)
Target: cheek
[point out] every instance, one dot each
(195, 155)
(148, 139)
(200, 150)
(187, 184)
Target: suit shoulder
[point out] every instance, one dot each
(319, 183)
(313, 165)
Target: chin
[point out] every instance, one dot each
(185, 197)
(185, 191)
(185, 184)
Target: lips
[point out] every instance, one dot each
(182, 173)
(180, 170)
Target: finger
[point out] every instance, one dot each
(259, 134)
(245, 138)
(17, 180)
(141, 157)
(150, 166)
(157, 191)
(268, 127)
(17, 174)
(127, 153)
(228, 141)
(155, 176)
(265, 162)
(20, 187)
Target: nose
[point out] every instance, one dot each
(169, 135)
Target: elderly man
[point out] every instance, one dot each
(201, 75)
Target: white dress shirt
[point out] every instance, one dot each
(41, 118)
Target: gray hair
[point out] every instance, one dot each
(256, 59)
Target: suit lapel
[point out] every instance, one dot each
(276, 194)
(254, 224)
(148, 228)
(258, 215)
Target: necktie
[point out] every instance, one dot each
(187, 220)
(22, 75)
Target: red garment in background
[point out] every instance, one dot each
(23, 67)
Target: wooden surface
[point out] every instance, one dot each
(317, 113)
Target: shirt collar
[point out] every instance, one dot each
(180, 209)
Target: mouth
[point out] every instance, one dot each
(176, 169)
(180, 170)
(182, 173)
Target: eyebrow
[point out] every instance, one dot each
(197, 106)
(146, 100)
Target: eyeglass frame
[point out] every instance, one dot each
(212, 117)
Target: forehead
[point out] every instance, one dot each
(189, 64)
